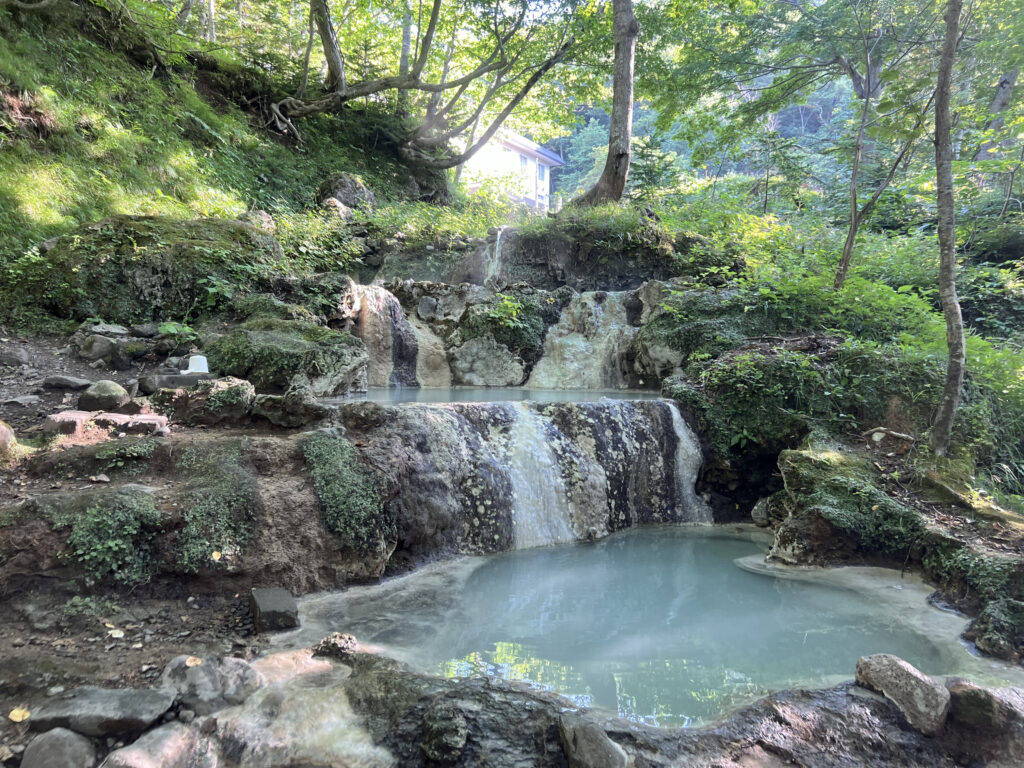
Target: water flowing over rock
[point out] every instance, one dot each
(374, 315)
(588, 347)
(486, 477)
(540, 501)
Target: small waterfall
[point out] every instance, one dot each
(376, 316)
(540, 500)
(689, 457)
(492, 267)
(584, 349)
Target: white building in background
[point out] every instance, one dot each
(509, 157)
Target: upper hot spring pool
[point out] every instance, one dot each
(397, 395)
(661, 625)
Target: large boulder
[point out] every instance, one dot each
(103, 395)
(103, 711)
(59, 748)
(922, 700)
(483, 362)
(208, 684)
(348, 189)
(276, 355)
(127, 269)
(210, 401)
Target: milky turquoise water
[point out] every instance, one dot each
(658, 624)
(396, 395)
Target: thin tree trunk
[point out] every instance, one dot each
(310, 31)
(1001, 100)
(211, 22)
(332, 50)
(943, 426)
(404, 57)
(181, 18)
(612, 183)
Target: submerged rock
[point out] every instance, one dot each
(922, 700)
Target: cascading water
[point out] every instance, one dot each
(540, 501)
(689, 457)
(584, 350)
(492, 267)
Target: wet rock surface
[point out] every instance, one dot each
(59, 748)
(208, 684)
(95, 711)
(922, 700)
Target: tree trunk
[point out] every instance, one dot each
(855, 214)
(404, 57)
(310, 31)
(181, 18)
(332, 51)
(211, 22)
(943, 426)
(1004, 92)
(612, 183)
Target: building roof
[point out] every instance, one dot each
(525, 146)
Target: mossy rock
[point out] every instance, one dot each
(837, 512)
(130, 269)
(267, 305)
(276, 355)
(127, 456)
(999, 629)
(513, 319)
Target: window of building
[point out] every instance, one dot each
(523, 162)
(542, 172)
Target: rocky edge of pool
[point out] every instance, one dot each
(452, 523)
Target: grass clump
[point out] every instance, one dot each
(113, 537)
(350, 494)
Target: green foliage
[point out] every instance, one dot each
(220, 503)
(517, 321)
(128, 455)
(350, 493)
(113, 537)
(89, 606)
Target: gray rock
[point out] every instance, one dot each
(214, 684)
(295, 408)
(59, 748)
(587, 745)
(445, 732)
(96, 348)
(14, 356)
(150, 384)
(23, 400)
(102, 711)
(922, 700)
(483, 362)
(348, 189)
(171, 746)
(7, 438)
(103, 329)
(146, 330)
(66, 382)
(273, 609)
(427, 308)
(103, 395)
(759, 514)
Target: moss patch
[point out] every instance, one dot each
(220, 503)
(275, 354)
(515, 320)
(349, 492)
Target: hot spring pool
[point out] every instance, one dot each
(398, 395)
(663, 625)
